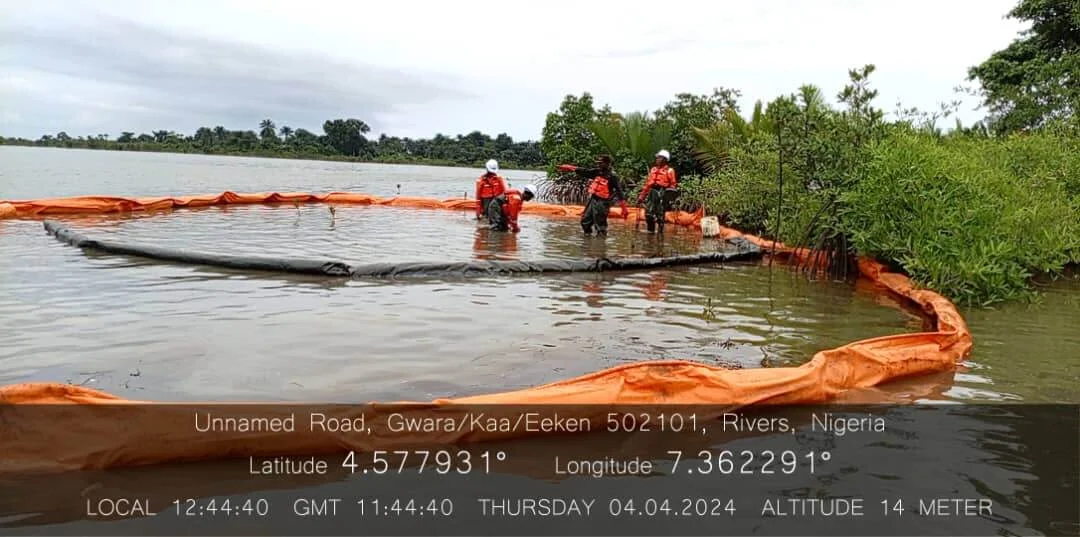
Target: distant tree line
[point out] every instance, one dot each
(341, 139)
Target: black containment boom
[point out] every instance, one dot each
(744, 251)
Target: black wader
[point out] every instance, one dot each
(485, 203)
(595, 215)
(596, 210)
(657, 204)
(654, 210)
(495, 215)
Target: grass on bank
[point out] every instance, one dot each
(975, 219)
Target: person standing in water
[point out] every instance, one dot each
(503, 210)
(657, 192)
(605, 189)
(488, 186)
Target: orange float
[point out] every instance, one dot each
(108, 204)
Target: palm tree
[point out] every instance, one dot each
(632, 139)
(634, 133)
(267, 129)
(635, 137)
(715, 142)
(286, 131)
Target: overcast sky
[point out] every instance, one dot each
(424, 67)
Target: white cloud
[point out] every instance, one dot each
(416, 68)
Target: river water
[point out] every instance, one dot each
(150, 330)
(154, 330)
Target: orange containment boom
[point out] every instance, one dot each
(68, 441)
(109, 204)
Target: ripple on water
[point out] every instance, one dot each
(205, 333)
(48, 287)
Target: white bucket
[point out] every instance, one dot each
(710, 226)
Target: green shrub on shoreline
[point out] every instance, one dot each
(972, 219)
(973, 215)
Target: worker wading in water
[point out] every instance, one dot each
(502, 212)
(488, 187)
(658, 192)
(604, 190)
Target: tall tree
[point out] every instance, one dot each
(204, 138)
(633, 139)
(305, 139)
(689, 112)
(347, 135)
(503, 142)
(267, 130)
(1037, 77)
(566, 137)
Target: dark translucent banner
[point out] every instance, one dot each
(399, 470)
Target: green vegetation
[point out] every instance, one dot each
(342, 139)
(975, 213)
(974, 218)
(1034, 79)
(577, 132)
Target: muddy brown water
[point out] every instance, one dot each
(147, 329)
(151, 330)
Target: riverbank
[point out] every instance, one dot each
(712, 315)
(141, 148)
(974, 215)
(978, 219)
(126, 327)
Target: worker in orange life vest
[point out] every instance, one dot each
(488, 186)
(503, 210)
(604, 190)
(658, 192)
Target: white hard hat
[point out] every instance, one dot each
(665, 154)
(530, 189)
(492, 166)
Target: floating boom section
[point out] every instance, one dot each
(111, 204)
(746, 250)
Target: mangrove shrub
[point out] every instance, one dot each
(973, 219)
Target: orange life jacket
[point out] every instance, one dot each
(513, 203)
(659, 178)
(599, 187)
(489, 186)
(512, 208)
